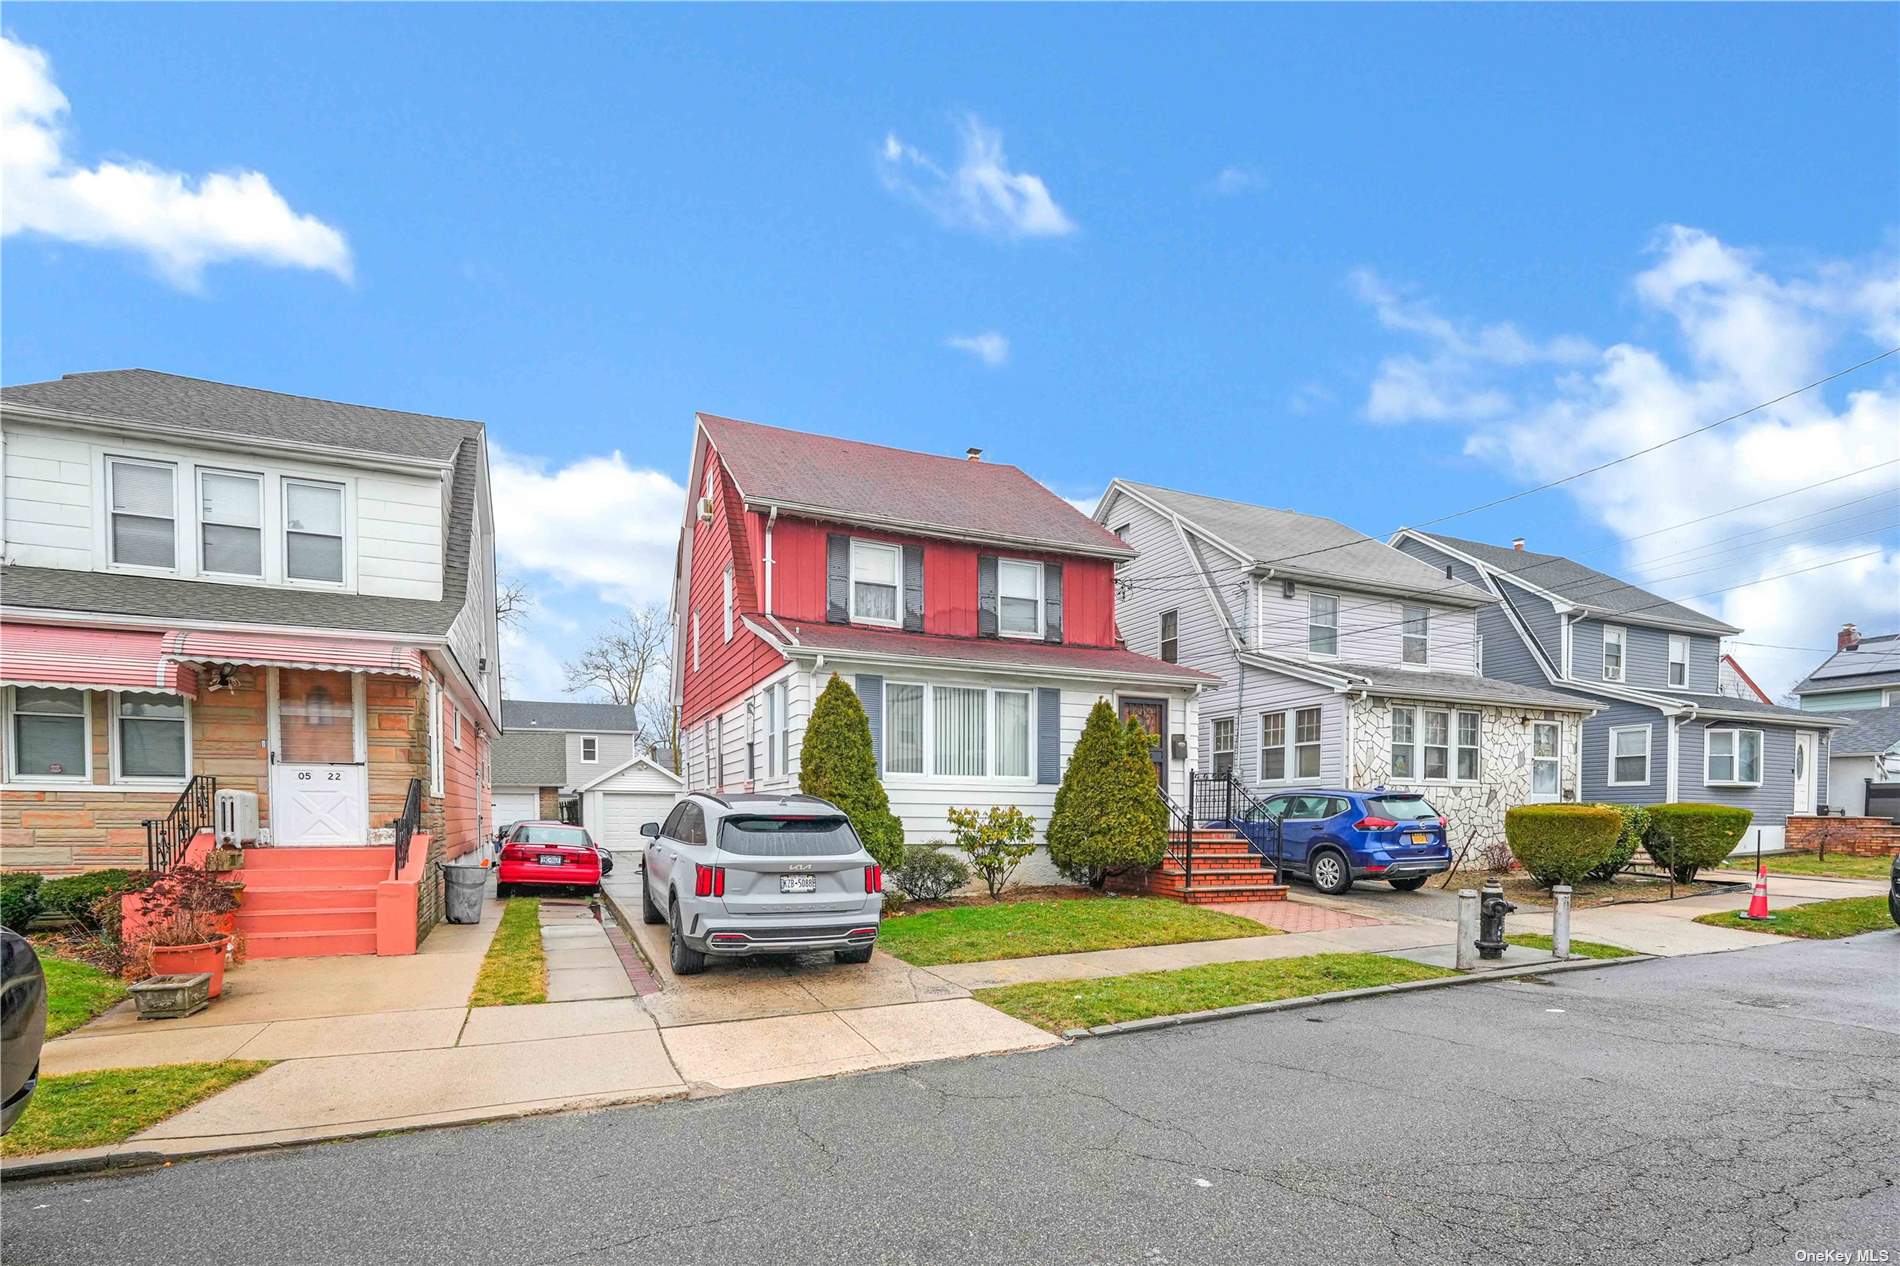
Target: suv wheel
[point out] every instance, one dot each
(1409, 883)
(687, 961)
(1331, 875)
(649, 913)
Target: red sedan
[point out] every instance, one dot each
(549, 854)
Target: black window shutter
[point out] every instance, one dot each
(870, 688)
(913, 588)
(1052, 602)
(1048, 735)
(837, 579)
(986, 625)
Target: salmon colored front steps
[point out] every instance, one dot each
(311, 902)
(1225, 869)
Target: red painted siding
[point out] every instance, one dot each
(726, 669)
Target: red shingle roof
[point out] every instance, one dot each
(983, 652)
(970, 500)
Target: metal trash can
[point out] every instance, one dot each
(463, 888)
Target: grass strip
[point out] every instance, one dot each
(1024, 929)
(1816, 921)
(515, 969)
(75, 993)
(1057, 1005)
(1839, 866)
(1578, 949)
(110, 1105)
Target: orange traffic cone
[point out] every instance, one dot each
(1758, 904)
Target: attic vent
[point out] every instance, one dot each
(1448, 574)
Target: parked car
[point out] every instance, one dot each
(1333, 837)
(759, 874)
(1893, 890)
(22, 1024)
(547, 855)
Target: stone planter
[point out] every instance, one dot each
(220, 860)
(190, 960)
(172, 997)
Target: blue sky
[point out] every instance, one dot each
(1376, 263)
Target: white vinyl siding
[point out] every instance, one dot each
(144, 521)
(874, 575)
(1732, 758)
(1019, 598)
(1629, 756)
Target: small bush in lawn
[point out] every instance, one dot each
(81, 897)
(20, 898)
(1687, 837)
(929, 873)
(1108, 817)
(838, 764)
(995, 842)
(1561, 843)
(1628, 839)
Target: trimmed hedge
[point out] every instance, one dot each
(1107, 816)
(1561, 843)
(838, 764)
(1687, 837)
(929, 873)
(83, 897)
(1628, 840)
(20, 898)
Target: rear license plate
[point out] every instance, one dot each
(798, 883)
(1420, 837)
(550, 859)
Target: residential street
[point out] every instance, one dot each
(1727, 1107)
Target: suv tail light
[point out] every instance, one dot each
(709, 881)
(1374, 824)
(1444, 824)
(874, 878)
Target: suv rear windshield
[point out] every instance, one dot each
(752, 835)
(1401, 808)
(563, 836)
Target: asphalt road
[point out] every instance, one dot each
(1737, 1107)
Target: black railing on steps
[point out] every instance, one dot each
(1222, 798)
(407, 824)
(166, 838)
(1180, 834)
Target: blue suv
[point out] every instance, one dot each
(1334, 837)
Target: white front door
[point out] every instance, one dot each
(1804, 773)
(1547, 764)
(319, 779)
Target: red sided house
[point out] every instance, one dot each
(972, 609)
(270, 613)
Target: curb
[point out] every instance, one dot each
(1154, 1023)
(72, 1166)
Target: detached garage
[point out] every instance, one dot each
(614, 805)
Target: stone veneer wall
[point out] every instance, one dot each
(1504, 765)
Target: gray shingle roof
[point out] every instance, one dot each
(108, 593)
(563, 714)
(1307, 545)
(1756, 708)
(1586, 586)
(1460, 687)
(1874, 731)
(1875, 662)
(529, 758)
(145, 395)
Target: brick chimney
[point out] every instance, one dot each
(1847, 639)
(1517, 543)
(973, 454)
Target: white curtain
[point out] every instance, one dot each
(959, 732)
(1012, 734)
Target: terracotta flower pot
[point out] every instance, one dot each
(186, 960)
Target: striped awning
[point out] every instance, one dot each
(90, 659)
(289, 650)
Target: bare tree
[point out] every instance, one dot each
(512, 602)
(630, 661)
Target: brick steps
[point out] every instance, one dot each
(311, 902)
(1226, 870)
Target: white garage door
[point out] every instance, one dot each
(623, 812)
(516, 806)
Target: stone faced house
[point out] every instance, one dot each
(1343, 662)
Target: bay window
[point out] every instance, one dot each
(313, 531)
(958, 731)
(1615, 642)
(144, 499)
(1019, 598)
(1404, 743)
(1322, 624)
(152, 736)
(230, 523)
(1415, 635)
(1629, 756)
(1272, 746)
(1306, 743)
(874, 571)
(1223, 745)
(48, 734)
(1732, 758)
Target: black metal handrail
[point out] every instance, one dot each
(196, 810)
(406, 824)
(1180, 832)
(1223, 798)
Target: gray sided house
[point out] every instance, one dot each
(1864, 764)
(1664, 730)
(579, 762)
(1343, 662)
(1863, 672)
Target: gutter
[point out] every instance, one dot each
(936, 531)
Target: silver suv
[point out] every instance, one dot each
(757, 874)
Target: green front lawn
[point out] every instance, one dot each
(75, 993)
(1816, 921)
(1578, 949)
(1057, 1005)
(111, 1105)
(1024, 929)
(1839, 866)
(515, 969)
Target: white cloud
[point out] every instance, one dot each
(989, 347)
(180, 223)
(1743, 335)
(1234, 179)
(982, 194)
(596, 523)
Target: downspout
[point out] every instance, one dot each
(1672, 785)
(770, 566)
